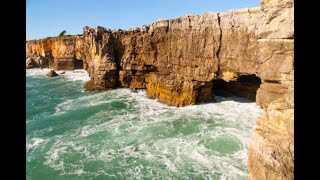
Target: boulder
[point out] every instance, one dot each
(52, 73)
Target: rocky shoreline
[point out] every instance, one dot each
(182, 61)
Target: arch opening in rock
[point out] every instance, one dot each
(78, 64)
(245, 86)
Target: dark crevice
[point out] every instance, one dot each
(246, 86)
(167, 28)
(220, 38)
(118, 50)
(150, 68)
(189, 22)
(272, 81)
(78, 64)
(134, 72)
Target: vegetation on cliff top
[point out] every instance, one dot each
(62, 33)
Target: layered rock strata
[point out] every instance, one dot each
(181, 61)
(58, 52)
(271, 151)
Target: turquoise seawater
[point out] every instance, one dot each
(119, 134)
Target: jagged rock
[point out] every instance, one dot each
(31, 63)
(52, 73)
(277, 19)
(145, 28)
(34, 61)
(135, 29)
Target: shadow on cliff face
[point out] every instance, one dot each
(118, 50)
(246, 86)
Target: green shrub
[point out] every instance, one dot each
(62, 33)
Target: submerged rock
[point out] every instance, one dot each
(52, 73)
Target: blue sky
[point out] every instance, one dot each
(49, 17)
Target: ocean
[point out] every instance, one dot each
(119, 134)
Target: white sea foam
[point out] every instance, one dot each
(75, 75)
(32, 145)
(63, 107)
(145, 134)
(40, 132)
(60, 148)
(82, 102)
(35, 142)
(37, 72)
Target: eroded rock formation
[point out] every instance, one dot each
(59, 52)
(35, 61)
(180, 62)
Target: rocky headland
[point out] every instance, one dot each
(183, 61)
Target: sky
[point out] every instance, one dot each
(46, 18)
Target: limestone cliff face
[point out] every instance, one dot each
(271, 151)
(175, 60)
(182, 61)
(59, 52)
(238, 51)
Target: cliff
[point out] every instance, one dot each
(182, 61)
(271, 151)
